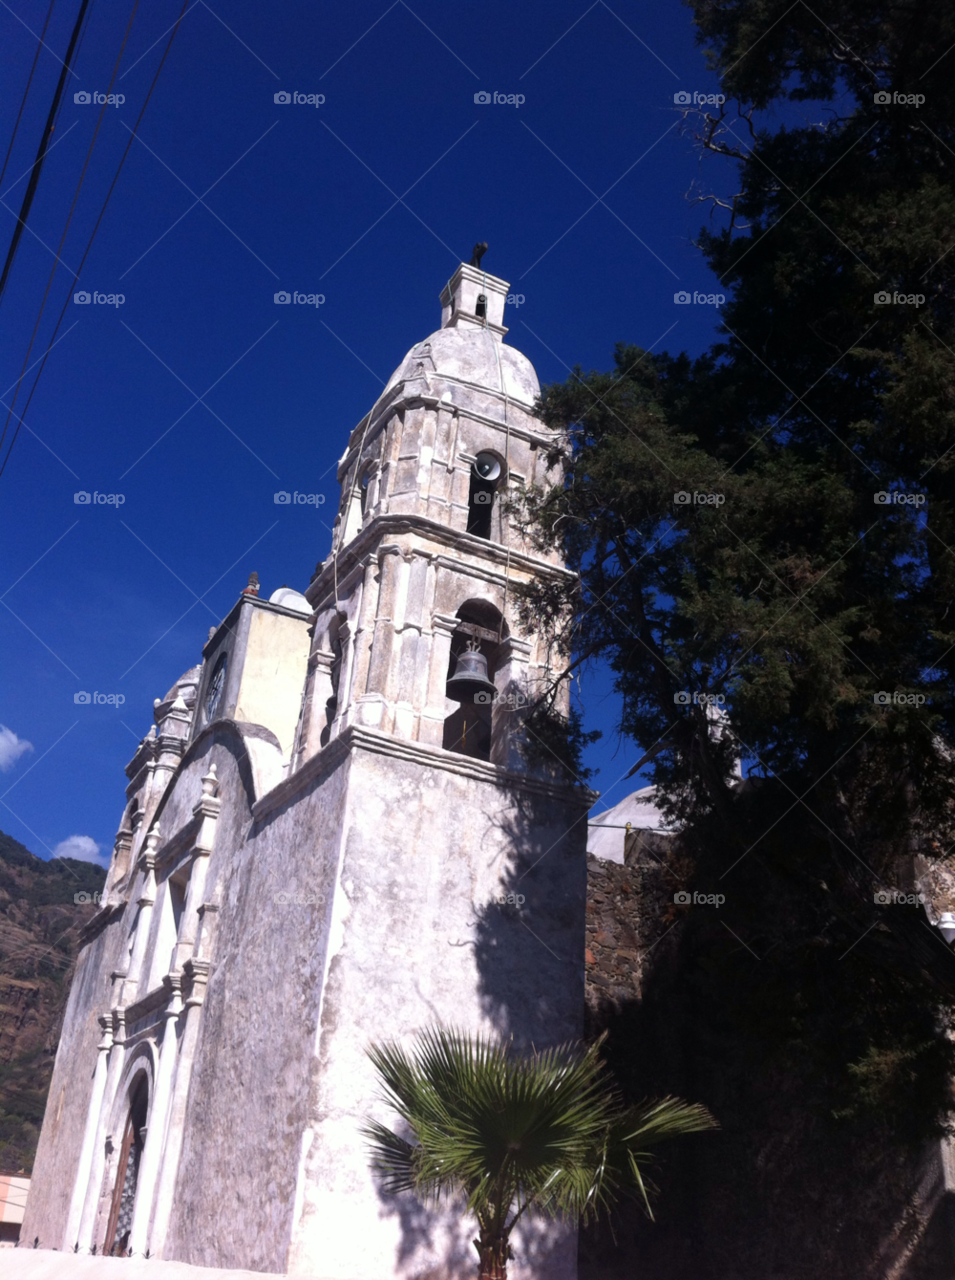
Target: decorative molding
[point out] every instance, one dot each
(454, 540)
(361, 738)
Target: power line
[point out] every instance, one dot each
(41, 152)
(89, 245)
(26, 91)
(69, 216)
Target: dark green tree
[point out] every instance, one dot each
(786, 590)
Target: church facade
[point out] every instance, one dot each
(327, 840)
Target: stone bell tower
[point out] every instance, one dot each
(342, 829)
(462, 866)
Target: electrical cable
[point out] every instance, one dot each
(69, 219)
(89, 244)
(26, 91)
(42, 150)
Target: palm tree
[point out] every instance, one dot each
(545, 1132)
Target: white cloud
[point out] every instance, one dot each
(84, 848)
(11, 748)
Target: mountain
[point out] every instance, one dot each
(40, 925)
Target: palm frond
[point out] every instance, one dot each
(545, 1130)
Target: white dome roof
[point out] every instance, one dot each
(290, 599)
(474, 358)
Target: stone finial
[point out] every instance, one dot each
(478, 253)
(152, 840)
(253, 588)
(180, 703)
(210, 783)
(212, 631)
(157, 702)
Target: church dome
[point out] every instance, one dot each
(473, 358)
(185, 687)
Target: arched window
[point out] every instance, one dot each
(469, 728)
(215, 689)
(335, 673)
(365, 486)
(480, 307)
(486, 475)
(127, 1172)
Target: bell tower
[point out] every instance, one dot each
(424, 557)
(462, 869)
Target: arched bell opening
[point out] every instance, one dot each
(336, 645)
(475, 654)
(127, 1171)
(487, 476)
(366, 487)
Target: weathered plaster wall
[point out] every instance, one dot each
(427, 852)
(247, 1102)
(64, 1122)
(273, 674)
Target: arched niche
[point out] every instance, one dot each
(335, 646)
(469, 727)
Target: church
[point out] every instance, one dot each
(339, 830)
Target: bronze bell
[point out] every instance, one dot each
(470, 682)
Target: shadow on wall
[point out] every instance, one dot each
(528, 946)
(529, 939)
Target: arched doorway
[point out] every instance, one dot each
(127, 1172)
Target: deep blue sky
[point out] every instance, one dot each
(104, 598)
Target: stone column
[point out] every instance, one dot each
(364, 632)
(208, 810)
(82, 1182)
(196, 974)
(156, 1132)
(431, 723)
(374, 705)
(146, 901)
(117, 1058)
(512, 679)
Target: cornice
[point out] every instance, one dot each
(361, 738)
(455, 540)
(96, 924)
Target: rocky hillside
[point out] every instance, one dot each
(39, 928)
